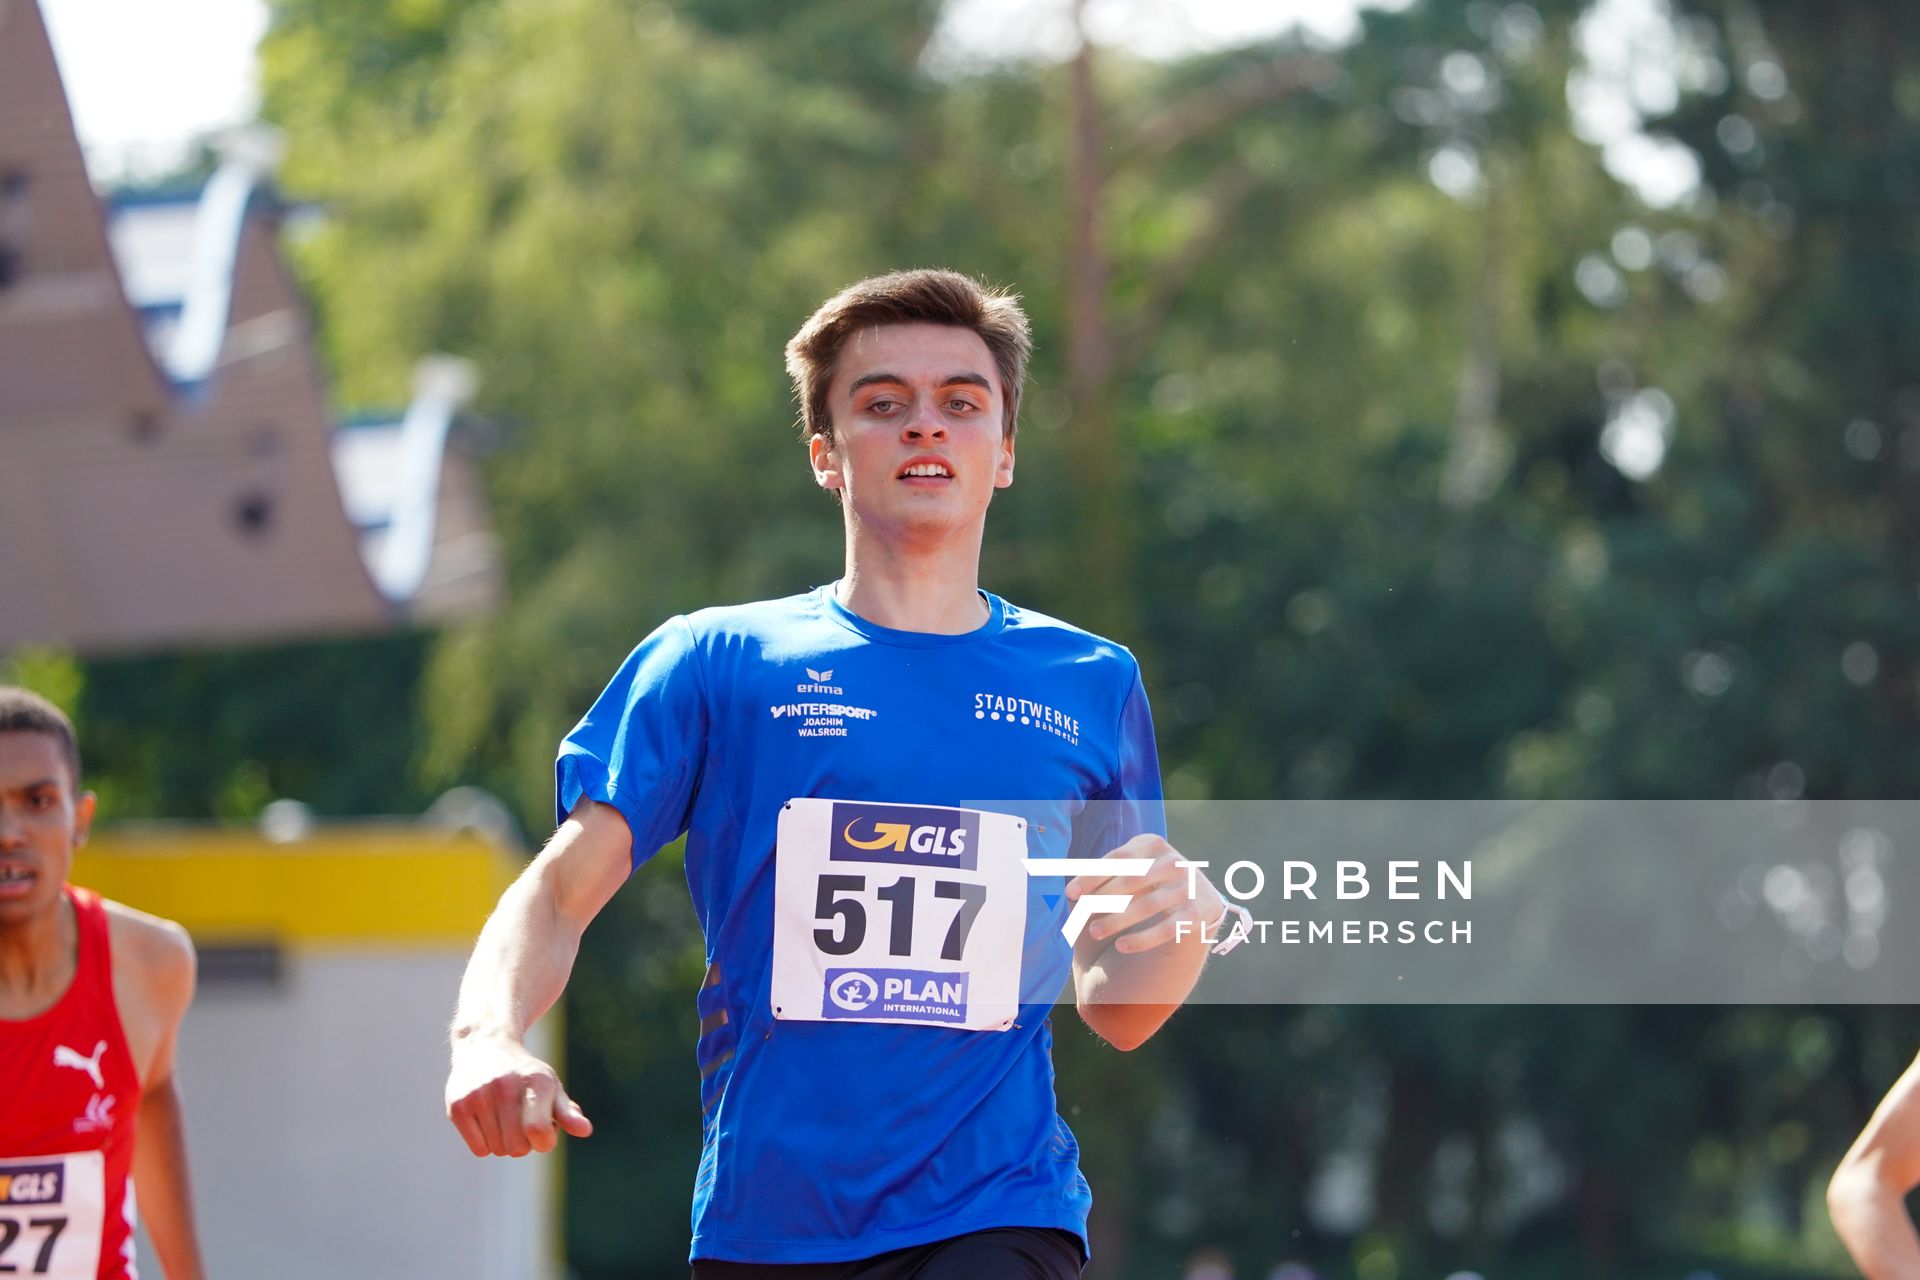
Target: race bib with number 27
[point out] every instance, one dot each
(52, 1210)
(898, 913)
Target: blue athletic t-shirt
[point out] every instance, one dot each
(836, 1140)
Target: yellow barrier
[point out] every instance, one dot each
(377, 884)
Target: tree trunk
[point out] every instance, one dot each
(1476, 454)
(1406, 1160)
(1484, 1190)
(1097, 461)
(1599, 1219)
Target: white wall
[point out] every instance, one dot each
(318, 1138)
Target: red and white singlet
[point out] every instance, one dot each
(69, 1094)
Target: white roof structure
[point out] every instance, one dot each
(166, 445)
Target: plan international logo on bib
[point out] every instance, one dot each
(919, 994)
(914, 835)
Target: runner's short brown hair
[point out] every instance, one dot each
(24, 711)
(927, 296)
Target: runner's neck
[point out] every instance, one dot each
(39, 959)
(914, 577)
(914, 605)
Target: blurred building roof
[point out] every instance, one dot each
(170, 475)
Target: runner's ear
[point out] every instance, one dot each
(827, 472)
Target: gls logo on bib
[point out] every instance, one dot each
(31, 1184)
(912, 835)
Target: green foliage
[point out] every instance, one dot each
(219, 734)
(51, 673)
(630, 1032)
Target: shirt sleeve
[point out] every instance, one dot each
(1132, 804)
(640, 745)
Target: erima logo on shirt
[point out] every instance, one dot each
(819, 682)
(31, 1184)
(911, 834)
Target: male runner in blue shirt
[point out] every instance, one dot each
(862, 772)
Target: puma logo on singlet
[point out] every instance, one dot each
(65, 1057)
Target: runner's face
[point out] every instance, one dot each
(43, 818)
(915, 397)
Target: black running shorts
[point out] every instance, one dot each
(1005, 1253)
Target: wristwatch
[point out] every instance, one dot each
(1241, 931)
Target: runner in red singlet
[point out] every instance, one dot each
(91, 997)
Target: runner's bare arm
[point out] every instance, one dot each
(160, 1179)
(1132, 969)
(502, 1099)
(1867, 1197)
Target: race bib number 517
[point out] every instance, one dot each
(898, 913)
